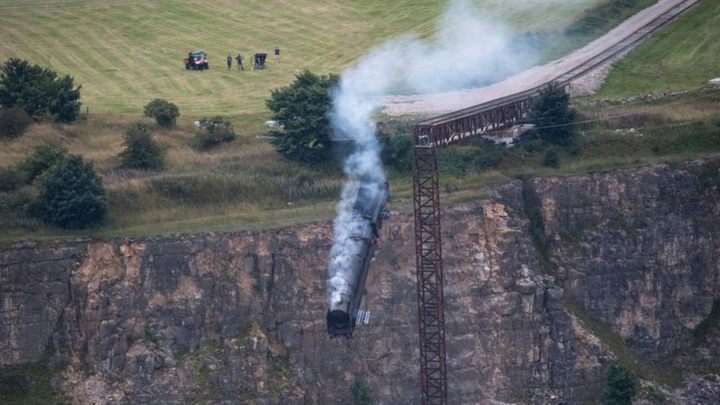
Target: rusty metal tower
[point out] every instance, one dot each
(428, 253)
(429, 136)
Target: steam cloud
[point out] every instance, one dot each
(468, 50)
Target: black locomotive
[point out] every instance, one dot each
(368, 212)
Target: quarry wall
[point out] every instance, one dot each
(228, 317)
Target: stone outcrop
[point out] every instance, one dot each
(638, 249)
(239, 317)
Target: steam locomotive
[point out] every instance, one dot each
(368, 212)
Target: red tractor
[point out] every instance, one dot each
(196, 60)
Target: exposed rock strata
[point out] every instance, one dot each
(639, 249)
(240, 316)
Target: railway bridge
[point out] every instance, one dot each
(507, 104)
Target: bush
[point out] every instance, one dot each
(620, 386)
(551, 159)
(164, 112)
(41, 159)
(71, 195)
(397, 152)
(9, 180)
(212, 132)
(38, 91)
(13, 122)
(361, 393)
(141, 152)
(461, 160)
(302, 109)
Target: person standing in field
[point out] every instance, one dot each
(229, 61)
(240, 66)
(277, 54)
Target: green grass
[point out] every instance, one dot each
(708, 324)
(663, 374)
(124, 53)
(683, 55)
(594, 22)
(29, 383)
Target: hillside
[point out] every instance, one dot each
(125, 53)
(683, 55)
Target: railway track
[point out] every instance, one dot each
(461, 104)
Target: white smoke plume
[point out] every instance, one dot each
(467, 50)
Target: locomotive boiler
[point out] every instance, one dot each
(349, 265)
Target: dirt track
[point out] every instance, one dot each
(432, 104)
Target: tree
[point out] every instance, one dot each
(552, 115)
(302, 109)
(39, 91)
(141, 152)
(212, 132)
(71, 195)
(164, 112)
(620, 386)
(42, 158)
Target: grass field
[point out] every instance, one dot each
(126, 52)
(245, 184)
(684, 55)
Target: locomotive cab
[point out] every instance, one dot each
(339, 323)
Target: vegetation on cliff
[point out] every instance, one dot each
(621, 387)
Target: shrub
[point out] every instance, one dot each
(397, 152)
(551, 159)
(361, 393)
(459, 161)
(71, 195)
(488, 157)
(141, 152)
(212, 132)
(9, 179)
(41, 159)
(620, 386)
(13, 122)
(164, 112)
(302, 109)
(39, 91)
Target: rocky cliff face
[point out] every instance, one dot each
(638, 249)
(239, 317)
